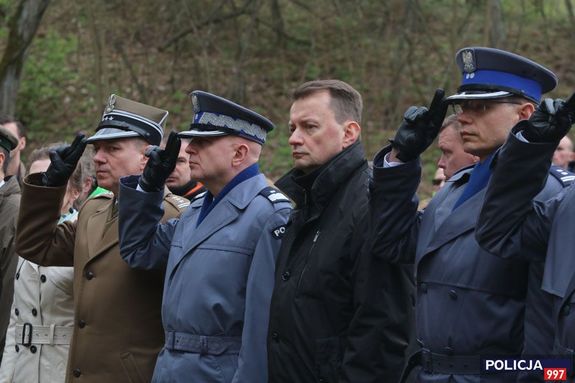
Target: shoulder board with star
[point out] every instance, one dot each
(565, 177)
(274, 195)
(179, 202)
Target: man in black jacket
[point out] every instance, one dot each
(333, 317)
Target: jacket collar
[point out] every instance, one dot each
(10, 186)
(328, 179)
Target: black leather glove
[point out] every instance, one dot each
(551, 120)
(419, 128)
(161, 163)
(63, 161)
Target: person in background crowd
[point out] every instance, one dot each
(336, 314)
(117, 328)
(179, 182)
(9, 204)
(42, 315)
(219, 257)
(563, 155)
(456, 279)
(18, 130)
(438, 180)
(453, 155)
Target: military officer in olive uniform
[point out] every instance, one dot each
(469, 302)
(219, 257)
(118, 332)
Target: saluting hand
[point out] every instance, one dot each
(161, 163)
(419, 128)
(551, 120)
(63, 162)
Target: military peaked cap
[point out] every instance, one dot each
(7, 139)
(125, 118)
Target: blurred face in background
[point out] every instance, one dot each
(564, 153)
(453, 157)
(182, 172)
(71, 195)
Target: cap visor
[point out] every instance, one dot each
(478, 95)
(202, 133)
(111, 134)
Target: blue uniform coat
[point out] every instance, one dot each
(468, 302)
(511, 220)
(219, 279)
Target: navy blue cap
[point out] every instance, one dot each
(124, 118)
(490, 73)
(215, 116)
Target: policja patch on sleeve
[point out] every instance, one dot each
(279, 232)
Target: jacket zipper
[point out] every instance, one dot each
(307, 259)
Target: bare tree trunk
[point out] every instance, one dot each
(494, 29)
(23, 26)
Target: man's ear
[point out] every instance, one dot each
(2, 160)
(240, 154)
(351, 132)
(526, 110)
(22, 143)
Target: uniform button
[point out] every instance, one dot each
(17, 348)
(77, 372)
(17, 312)
(17, 275)
(275, 335)
(321, 380)
(34, 312)
(33, 349)
(566, 309)
(286, 275)
(42, 278)
(82, 323)
(423, 287)
(453, 294)
(89, 275)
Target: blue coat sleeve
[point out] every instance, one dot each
(252, 360)
(510, 219)
(393, 206)
(144, 242)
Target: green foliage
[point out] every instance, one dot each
(47, 88)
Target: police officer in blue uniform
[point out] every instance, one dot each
(469, 302)
(220, 255)
(510, 219)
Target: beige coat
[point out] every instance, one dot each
(118, 330)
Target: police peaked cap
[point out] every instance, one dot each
(490, 73)
(124, 118)
(215, 116)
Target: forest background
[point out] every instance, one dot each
(395, 52)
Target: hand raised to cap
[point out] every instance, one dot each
(161, 163)
(551, 120)
(419, 128)
(63, 162)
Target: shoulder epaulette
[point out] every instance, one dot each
(565, 177)
(274, 195)
(198, 196)
(177, 201)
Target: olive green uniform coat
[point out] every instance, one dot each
(118, 329)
